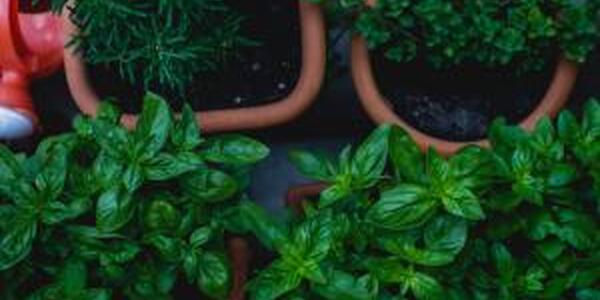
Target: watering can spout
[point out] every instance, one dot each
(31, 46)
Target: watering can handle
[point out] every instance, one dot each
(12, 49)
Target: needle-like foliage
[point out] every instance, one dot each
(163, 45)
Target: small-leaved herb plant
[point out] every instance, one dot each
(517, 221)
(522, 33)
(104, 213)
(161, 45)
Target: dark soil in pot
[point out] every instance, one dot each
(459, 103)
(257, 75)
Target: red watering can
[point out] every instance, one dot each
(31, 46)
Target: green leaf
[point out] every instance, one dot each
(463, 203)
(333, 194)
(388, 270)
(16, 240)
(406, 156)
(370, 158)
(108, 111)
(312, 239)
(273, 282)
(234, 150)
(588, 294)
(56, 212)
(167, 166)
(425, 287)
(170, 249)
(208, 185)
(446, 233)
(577, 229)
(473, 166)
(248, 217)
(568, 128)
(186, 134)
(561, 175)
(311, 165)
(201, 236)
(404, 207)
(114, 209)
(154, 124)
(341, 285)
(133, 178)
(190, 266)
(51, 180)
(160, 214)
(504, 263)
(73, 277)
(591, 119)
(406, 249)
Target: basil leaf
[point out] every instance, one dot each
(408, 251)
(406, 156)
(588, 294)
(370, 158)
(200, 236)
(133, 178)
(446, 233)
(249, 217)
(185, 134)
(114, 209)
(167, 166)
(463, 203)
(10, 168)
(504, 263)
(341, 285)
(17, 239)
(214, 278)
(311, 165)
(233, 150)
(51, 180)
(208, 185)
(425, 287)
(170, 249)
(161, 215)
(404, 207)
(274, 282)
(154, 124)
(333, 194)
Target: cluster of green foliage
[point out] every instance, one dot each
(517, 221)
(103, 213)
(166, 44)
(492, 33)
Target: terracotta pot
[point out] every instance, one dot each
(297, 194)
(31, 47)
(284, 110)
(239, 253)
(380, 110)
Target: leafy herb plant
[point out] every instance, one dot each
(492, 33)
(103, 213)
(517, 221)
(163, 44)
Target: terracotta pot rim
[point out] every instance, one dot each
(296, 194)
(379, 110)
(304, 93)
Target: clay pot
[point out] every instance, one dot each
(282, 111)
(239, 253)
(31, 47)
(297, 194)
(380, 110)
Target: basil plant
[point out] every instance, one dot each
(106, 213)
(517, 221)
